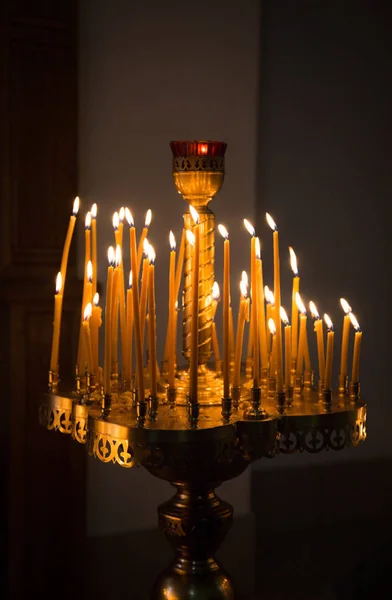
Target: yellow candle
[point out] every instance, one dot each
(94, 211)
(68, 239)
(58, 304)
(302, 334)
(121, 215)
(308, 365)
(357, 349)
(141, 247)
(86, 298)
(231, 335)
(215, 346)
(294, 307)
(87, 239)
(328, 362)
(108, 314)
(345, 337)
(143, 293)
(194, 241)
(261, 308)
(116, 223)
(95, 324)
(318, 327)
(115, 308)
(226, 311)
(242, 315)
(279, 380)
(87, 338)
(270, 299)
(128, 358)
(152, 337)
(180, 264)
(287, 347)
(136, 315)
(172, 309)
(273, 361)
(254, 314)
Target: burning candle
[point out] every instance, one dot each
(243, 315)
(152, 337)
(318, 327)
(128, 358)
(287, 346)
(86, 298)
(261, 308)
(68, 239)
(302, 343)
(273, 361)
(115, 307)
(279, 379)
(215, 298)
(141, 247)
(143, 293)
(254, 313)
(172, 310)
(294, 307)
(328, 362)
(136, 315)
(108, 314)
(357, 349)
(121, 216)
(95, 324)
(58, 305)
(194, 241)
(226, 314)
(94, 211)
(180, 263)
(215, 343)
(270, 300)
(87, 338)
(116, 223)
(345, 337)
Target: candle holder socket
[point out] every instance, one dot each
(249, 367)
(171, 394)
(327, 396)
(354, 390)
(343, 385)
(255, 411)
(226, 408)
(271, 389)
(297, 385)
(152, 407)
(53, 382)
(106, 405)
(320, 389)
(308, 380)
(236, 396)
(293, 370)
(280, 399)
(141, 411)
(193, 409)
(289, 391)
(264, 378)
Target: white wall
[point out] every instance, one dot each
(151, 72)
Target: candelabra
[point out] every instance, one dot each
(198, 426)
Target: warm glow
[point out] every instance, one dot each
(194, 213)
(216, 291)
(271, 222)
(244, 277)
(75, 208)
(328, 321)
(244, 288)
(121, 213)
(151, 254)
(148, 217)
(89, 271)
(190, 237)
(115, 220)
(176, 305)
(87, 222)
(354, 322)
(345, 305)
(129, 217)
(300, 304)
(283, 316)
(111, 255)
(146, 245)
(130, 279)
(258, 248)
(96, 299)
(203, 148)
(223, 231)
(271, 326)
(87, 311)
(249, 227)
(293, 261)
(118, 255)
(269, 295)
(313, 310)
(172, 241)
(59, 282)
(94, 211)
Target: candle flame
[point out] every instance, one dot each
(345, 305)
(271, 326)
(115, 220)
(313, 310)
(249, 227)
(203, 148)
(328, 321)
(300, 304)
(269, 295)
(89, 271)
(283, 316)
(75, 208)
(96, 299)
(223, 231)
(151, 254)
(244, 288)
(148, 217)
(190, 237)
(59, 282)
(111, 256)
(87, 222)
(293, 261)
(194, 213)
(87, 311)
(215, 291)
(129, 217)
(354, 322)
(146, 245)
(130, 279)
(121, 213)
(172, 241)
(94, 211)
(244, 277)
(176, 305)
(258, 248)
(118, 255)
(271, 222)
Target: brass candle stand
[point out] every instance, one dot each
(196, 447)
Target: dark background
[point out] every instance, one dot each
(322, 524)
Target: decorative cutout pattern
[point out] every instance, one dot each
(110, 449)
(55, 418)
(197, 163)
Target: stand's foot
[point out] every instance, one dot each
(195, 522)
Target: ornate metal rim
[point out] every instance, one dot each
(215, 164)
